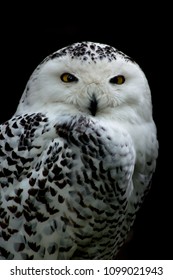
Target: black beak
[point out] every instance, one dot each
(93, 105)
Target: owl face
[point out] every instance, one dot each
(88, 78)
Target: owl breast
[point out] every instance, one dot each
(96, 215)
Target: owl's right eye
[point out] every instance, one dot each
(68, 78)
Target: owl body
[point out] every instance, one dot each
(77, 157)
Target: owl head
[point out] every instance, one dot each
(88, 78)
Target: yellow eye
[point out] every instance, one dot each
(119, 80)
(68, 78)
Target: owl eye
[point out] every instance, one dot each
(68, 78)
(119, 80)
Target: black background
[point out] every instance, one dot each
(28, 35)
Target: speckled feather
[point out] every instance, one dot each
(71, 182)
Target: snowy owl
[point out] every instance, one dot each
(77, 157)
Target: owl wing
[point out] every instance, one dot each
(145, 166)
(22, 144)
(65, 188)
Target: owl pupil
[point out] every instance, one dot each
(70, 78)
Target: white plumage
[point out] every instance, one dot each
(77, 157)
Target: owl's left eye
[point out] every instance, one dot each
(68, 78)
(119, 80)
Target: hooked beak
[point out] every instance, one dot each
(93, 105)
